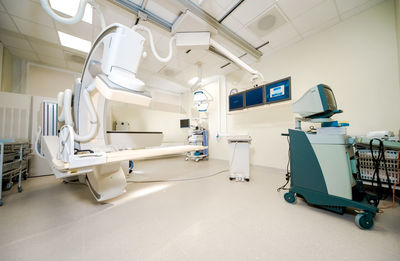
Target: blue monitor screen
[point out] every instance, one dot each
(278, 91)
(254, 97)
(236, 101)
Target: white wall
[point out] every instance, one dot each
(163, 115)
(357, 58)
(1, 62)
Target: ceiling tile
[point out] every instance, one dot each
(346, 5)
(227, 4)
(232, 23)
(213, 8)
(7, 23)
(316, 16)
(249, 10)
(266, 50)
(114, 14)
(294, 8)
(27, 55)
(322, 26)
(228, 45)
(286, 43)
(150, 63)
(246, 34)
(156, 31)
(82, 30)
(16, 42)
(37, 31)
(193, 57)
(42, 49)
(163, 9)
(281, 35)
(28, 10)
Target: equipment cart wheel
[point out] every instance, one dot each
(231, 178)
(290, 197)
(247, 179)
(197, 159)
(186, 158)
(364, 220)
(19, 189)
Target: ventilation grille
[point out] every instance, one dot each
(14, 116)
(268, 22)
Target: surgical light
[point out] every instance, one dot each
(70, 8)
(200, 100)
(74, 42)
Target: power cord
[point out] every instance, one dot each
(377, 161)
(178, 180)
(287, 170)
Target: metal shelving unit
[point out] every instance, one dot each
(367, 167)
(14, 163)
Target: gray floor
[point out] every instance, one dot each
(207, 219)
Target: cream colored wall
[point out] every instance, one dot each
(397, 12)
(356, 58)
(47, 82)
(1, 63)
(7, 71)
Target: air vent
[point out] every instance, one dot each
(267, 22)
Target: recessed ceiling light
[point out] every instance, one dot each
(70, 7)
(74, 42)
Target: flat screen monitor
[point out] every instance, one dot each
(278, 91)
(236, 101)
(255, 97)
(185, 123)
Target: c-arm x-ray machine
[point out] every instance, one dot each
(109, 74)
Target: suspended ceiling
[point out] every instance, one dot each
(268, 25)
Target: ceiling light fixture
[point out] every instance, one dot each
(74, 42)
(70, 7)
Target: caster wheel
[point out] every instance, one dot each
(290, 197)
(19, 189)
(1, 202)
(206, 158)
(247, 179)
(186, 158)
(231, 178)
(197, 160)
(364, 221)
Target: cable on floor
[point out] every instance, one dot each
(176, 180)
(283, 187)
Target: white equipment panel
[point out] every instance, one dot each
(239, 155)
